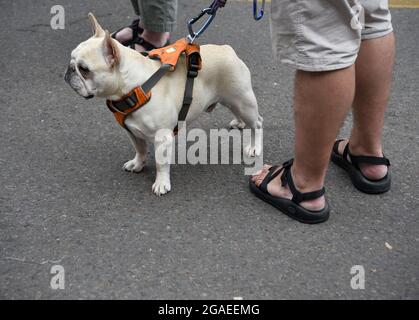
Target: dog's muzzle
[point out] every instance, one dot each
(67, 79)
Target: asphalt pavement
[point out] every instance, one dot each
(65, 200)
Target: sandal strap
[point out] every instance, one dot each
(356, 160)
(336, 146)
(144, 43)
(136, 31)
(346, 152)
(371, 160)
(272, 174)
(298, 196)
(135, 27)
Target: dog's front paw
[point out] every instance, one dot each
(135, 165)
(161, 186)
(253, 151)
(237, 124)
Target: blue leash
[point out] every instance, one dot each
(258, 15)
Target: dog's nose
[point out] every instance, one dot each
(67, 75)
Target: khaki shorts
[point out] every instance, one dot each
(322, 35)
(157, 15)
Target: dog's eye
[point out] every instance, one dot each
(84, 70)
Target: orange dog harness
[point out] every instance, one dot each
(169, 57)
(170, 54)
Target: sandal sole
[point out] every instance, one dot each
(359, 181)
(291, 209)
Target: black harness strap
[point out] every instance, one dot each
(152, 81)
(192, 72)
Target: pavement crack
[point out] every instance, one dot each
(23, 260)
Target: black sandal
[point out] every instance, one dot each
(290, 207)
(144, 43)
(361, 182)
(136, 37)
(136, 31)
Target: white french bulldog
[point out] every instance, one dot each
(102, 67)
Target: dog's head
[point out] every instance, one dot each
(93, 69)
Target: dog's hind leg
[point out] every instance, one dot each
(245, 109)
(137, 164)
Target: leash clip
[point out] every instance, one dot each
(211, 11)
(258, 15)
(192, 34)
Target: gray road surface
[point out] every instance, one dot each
(65, 200)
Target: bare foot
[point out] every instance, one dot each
(124, 35)
(277, 190)
(157, 39)
(370, 171)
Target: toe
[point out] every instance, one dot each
(261, 173)
(259, 178)
(264, 170)
(259, 181)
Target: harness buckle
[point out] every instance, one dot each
(131, 102)
(194, 64)
(192, 73)
(113, 108)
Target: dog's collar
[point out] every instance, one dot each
(136, 98)
(132, 101)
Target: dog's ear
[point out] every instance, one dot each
(110, 50)
(97, 29)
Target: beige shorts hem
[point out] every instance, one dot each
(318, 67)
(375, 35)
